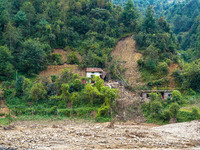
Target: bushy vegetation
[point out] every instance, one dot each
(160, 110)
(65, 96)
(159, 47)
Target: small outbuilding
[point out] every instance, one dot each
(164, 93)
(95, 72)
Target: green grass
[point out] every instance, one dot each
(4, 121)
(188, 108)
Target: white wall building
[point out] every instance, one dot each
(95, 72)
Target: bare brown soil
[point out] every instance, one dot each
(125, 50)
(172, 67)
(62, 52)
(3, 108)
(57, 69)
(79, 135)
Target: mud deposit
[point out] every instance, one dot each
(79, 135)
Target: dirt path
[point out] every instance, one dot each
(79, 135)
(125, 50)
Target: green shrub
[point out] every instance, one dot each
(38, 92)
(64, 112)
(166, 115)
(56, 59)
(54, 78)
(146, 109)
(75, 99)
(168, 61)
(72, 58)
(156, 108)
(176, 97)
(53, 110)
(173, 109)
(140, 62)
(19, 86)
(103, 111)
(163, 68)
(195, 114)
(154, 96)
(191, 92)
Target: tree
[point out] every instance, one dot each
(29, 10)
(65, 91)
(19, 86)
(72, 58)
(149, 22)
(20, 18)
(173, 108)
(129, 15)
(11, 35)
(33, 58)
(176, 97)
(156, 108)
(38, 92)
(98, 82)
(91, 93)
(6, 68)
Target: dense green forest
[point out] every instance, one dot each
(31, 29)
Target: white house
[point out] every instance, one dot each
(95, 72)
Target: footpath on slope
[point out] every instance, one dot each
(125, 51)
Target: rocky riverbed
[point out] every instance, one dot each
(82, 135)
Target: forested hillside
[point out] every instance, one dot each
(184, 18)
(160, 6)
(30, 29)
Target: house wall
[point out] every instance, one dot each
(90, 74)
(144, 95)
(167, 94)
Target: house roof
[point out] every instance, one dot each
(94, 70)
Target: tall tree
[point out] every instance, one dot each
(149, 22)
(6, 68)
(129, 15)
(11, 35)
(29, 10)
